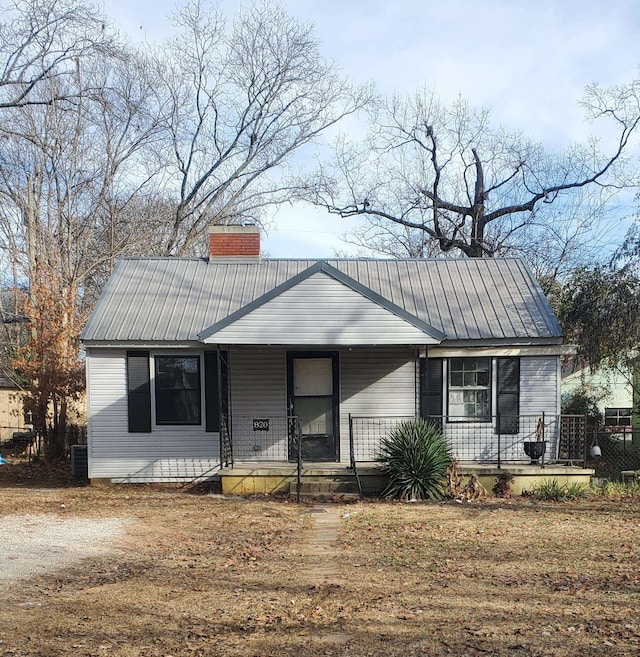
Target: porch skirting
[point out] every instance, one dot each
(269, 478)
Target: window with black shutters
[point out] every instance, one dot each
(177, 390)
(469, 390)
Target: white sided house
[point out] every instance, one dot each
(194, 364)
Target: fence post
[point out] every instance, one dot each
(298, 431)
(544, 440)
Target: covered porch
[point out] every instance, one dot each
(274, 462)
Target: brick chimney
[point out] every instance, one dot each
(234, 242)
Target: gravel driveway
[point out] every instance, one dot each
(37, 544)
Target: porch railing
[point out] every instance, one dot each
(226, 446)
(494, 440)
(365, 434)
(260, 438)
(263, 437)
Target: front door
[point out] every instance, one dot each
(313, 398)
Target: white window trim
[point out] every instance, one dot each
(492, 393)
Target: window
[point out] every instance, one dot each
(469, 389)
(177, 389)
(617, 417)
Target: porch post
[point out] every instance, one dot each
(220, 414)
(499, 438)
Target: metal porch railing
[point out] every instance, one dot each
(494, 439)
(261, 438)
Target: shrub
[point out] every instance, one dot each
(502, 485)
(415, 457)
(584, 400)
(617, 489)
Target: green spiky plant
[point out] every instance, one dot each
(415, 457)
(553, 491)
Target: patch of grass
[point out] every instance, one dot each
(553, 491)
(617, 489)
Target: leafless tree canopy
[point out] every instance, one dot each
(236, 101)
(434, 178)
(43, 41)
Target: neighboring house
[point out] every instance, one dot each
(11, 408)
(184, 354)
(612, 388)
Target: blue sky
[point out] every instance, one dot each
(527, 60)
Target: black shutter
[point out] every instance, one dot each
(431, 388)
(508, 393)
(212, 389)
(138, 392)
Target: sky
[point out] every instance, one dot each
(528, 61)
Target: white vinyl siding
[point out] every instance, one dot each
(539, 385)
(321, 311)
(166, 454)
(372, 382)
(258, 379)
(375, 382)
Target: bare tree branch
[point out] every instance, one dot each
(446, 172)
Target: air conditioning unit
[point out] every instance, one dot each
(79, 462)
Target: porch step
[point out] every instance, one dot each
(326, 488)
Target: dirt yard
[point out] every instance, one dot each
(179, 573)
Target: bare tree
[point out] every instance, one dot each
(69, 172)
(75, 158)
(41, 40)
(435, 179)
(237, 103)
(106, 152)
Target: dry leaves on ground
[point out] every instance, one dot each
(203, 575)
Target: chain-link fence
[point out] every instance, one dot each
(619, 449)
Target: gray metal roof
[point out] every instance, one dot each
(6, 381)
(176, 299)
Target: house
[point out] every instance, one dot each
(11, 408)
(612, 389)
(194, 363)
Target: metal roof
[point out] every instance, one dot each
(177, 299)
(6, 381)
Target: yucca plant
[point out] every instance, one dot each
(415, 457)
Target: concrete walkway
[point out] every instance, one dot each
(322, 567)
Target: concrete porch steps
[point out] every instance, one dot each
(322, 488)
